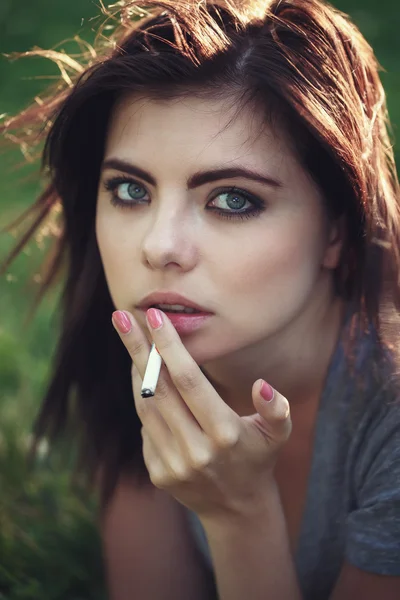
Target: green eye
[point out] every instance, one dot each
(232, 200)
(130, 191)
(125, 191)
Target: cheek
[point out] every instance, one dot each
(274, 271)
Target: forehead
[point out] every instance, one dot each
(193, 130)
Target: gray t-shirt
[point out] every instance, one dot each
(352, 509)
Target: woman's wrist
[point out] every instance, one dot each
(251, 552)
(263, 506)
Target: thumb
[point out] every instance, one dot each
(273, 412)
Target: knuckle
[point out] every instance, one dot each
(283, 412)
(200, 461)
(281, 416)
(157, 478)
(162, 390)
(180, 470)
(288, 429)
(227, 437)
(284, 432)
(186, 379)
(136, 348)
(165, 345)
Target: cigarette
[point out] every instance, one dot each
(152, 373)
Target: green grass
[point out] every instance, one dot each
(49, 542)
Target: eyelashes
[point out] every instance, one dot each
(125, 186)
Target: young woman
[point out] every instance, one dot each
(233, 159)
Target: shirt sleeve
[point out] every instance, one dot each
(373, 527)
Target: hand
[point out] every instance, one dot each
(195, 446)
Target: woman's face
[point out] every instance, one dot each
(257, 274)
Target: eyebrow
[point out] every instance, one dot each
(195, 180)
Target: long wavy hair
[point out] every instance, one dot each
(308, 67)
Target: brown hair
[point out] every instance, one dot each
(307, 65)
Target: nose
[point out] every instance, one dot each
(170, 239)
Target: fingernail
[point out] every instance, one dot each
(154, 318)
(122, 321)
(266, 391)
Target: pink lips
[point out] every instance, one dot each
(185, 323)
(171, 298)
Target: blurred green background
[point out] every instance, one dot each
(49, 544)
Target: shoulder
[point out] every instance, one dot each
(373, 525)
(375, 416)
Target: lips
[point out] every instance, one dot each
(186, 324)
(170, 298)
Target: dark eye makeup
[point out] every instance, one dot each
(233, 195)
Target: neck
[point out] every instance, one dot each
(294, 361)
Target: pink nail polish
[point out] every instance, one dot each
(154, 318)
(266, 391)
(122, 321)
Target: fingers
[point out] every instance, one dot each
(186, 425)
(133, 338)
(215, 417)
(138, 347)
(167, 404)
(273, 412)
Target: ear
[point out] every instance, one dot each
(335, 244)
